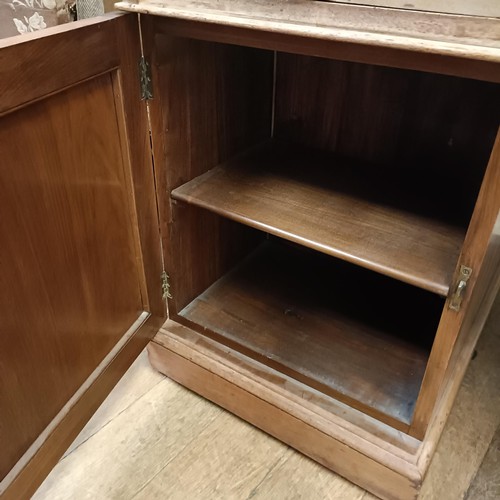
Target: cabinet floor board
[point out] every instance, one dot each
(325, 323)
(357, 214)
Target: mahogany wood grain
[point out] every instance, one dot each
(25, 60)
(325, 323)
(350, 212)
(76, 272)
(66, 240)
(451, 45)
(211, 102)
(182, 355)
(475, 248)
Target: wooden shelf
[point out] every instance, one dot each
(347, 211)
(350, 333)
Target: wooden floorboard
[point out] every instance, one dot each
(133, 385)
(252, 456)
(132, 448)
(486, 483)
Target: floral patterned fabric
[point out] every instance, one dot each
(25, 16)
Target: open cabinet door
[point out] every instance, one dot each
(80, 257)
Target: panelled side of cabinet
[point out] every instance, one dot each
(80, 259)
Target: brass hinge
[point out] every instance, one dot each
(165, 286)
(145, 79)
(458, 294)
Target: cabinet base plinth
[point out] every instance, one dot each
(367, 452)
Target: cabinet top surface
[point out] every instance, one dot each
(470, 37)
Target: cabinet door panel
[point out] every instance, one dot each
(79, 259)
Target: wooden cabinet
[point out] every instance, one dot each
(315, 202)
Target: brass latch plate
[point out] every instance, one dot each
(457, 297)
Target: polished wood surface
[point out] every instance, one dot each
(321, 203)
(476, 246)
(24, 61)
(444, 44)
(67, 239)
(209, 105)
(327, 324)
(77, 273)
(267, 400)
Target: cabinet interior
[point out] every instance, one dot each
(316, 209)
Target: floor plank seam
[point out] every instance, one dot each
(467, 495)
(268, 473)
(110, 420)
(178, 453)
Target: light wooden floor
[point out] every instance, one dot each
(154, 439)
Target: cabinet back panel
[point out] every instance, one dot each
(434, 133)
(212, 102)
